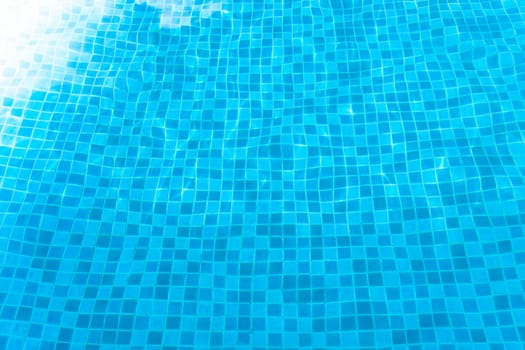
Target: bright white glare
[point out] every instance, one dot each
(35, 36)
(179, 13)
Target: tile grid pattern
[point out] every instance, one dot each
(333, 174)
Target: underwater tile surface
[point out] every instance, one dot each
(262, 174)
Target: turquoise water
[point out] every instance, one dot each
(263, 175)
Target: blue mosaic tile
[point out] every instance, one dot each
(262, 175)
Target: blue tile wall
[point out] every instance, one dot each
(271, 175)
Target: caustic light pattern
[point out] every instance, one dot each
(229, 174)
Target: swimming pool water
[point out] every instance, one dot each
(264, 175)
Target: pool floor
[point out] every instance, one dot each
(316, 174)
